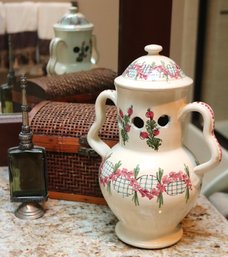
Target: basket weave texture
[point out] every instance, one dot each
(63, 86)
(76, 87)
(71, 172)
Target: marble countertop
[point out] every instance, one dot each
(81, 229)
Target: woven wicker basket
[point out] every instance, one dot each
(76, 87)
(72, 166)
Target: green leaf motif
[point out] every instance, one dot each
(116, 166)
(109, 187)
(155, 142)
(136, 171)
(124, 121)
(124, 135)
(186, 170)
(152, 130)
(187, 194)
(135, 199)
(159, 174)
(151, 125)
(148, 186)
(160, 200)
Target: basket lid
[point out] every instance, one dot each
(153, 71)
(73, 20)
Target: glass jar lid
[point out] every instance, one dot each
(73, 20)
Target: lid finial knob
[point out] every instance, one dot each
(73, 9)
(153, 49)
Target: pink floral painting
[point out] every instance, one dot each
(127, 183)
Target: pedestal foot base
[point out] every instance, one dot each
(154, 243)
(29, 211)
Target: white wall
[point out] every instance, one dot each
(105, 17)
(104, 14)
(184, 34)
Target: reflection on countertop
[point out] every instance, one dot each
(83, 229)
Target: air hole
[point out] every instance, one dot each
(163, 120)
(138, 122)
(76, 49)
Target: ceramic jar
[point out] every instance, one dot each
(71, 48)
(149, 179)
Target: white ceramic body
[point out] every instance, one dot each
(70, 51)
(151, 190)
(147, 224)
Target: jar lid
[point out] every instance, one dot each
(153, 71)
(73, 20)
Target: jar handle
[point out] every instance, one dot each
(208, 133)
(53, 55)
(95, 54)
(93, 139)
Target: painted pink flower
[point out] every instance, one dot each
(133, 182)
(166, 180)
(113, 177)
(102, 182)
(121, 113)
(124, 172)
(118, 172)
(149, 114)
(178, 71)
(188, 184)
(142, 193)
(181, 173)
(106, 179)
(144, 135)
(156, 132)
(148, 194)
(130, 111)
(185, 177)
(129, 175)
(101, 167)
(155, 192)
(160, 187)
(142, 76)
(173, 175)
(127, 127)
